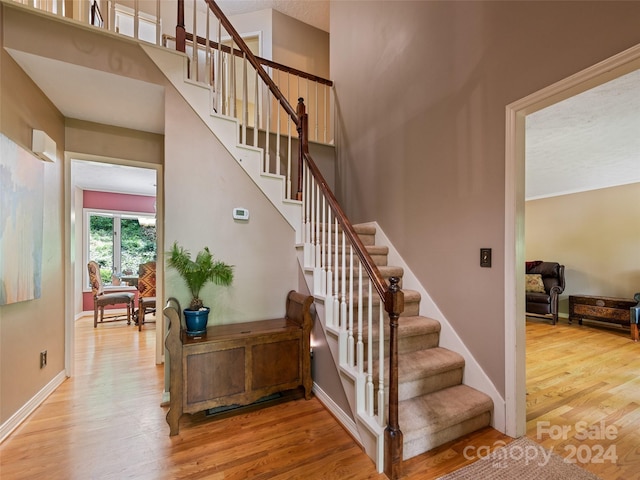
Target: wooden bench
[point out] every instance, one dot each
(237, 364)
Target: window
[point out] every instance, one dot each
(119, 242)
(125, 23)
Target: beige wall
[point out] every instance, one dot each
(114, 142)
(421, 90)
(27, 328)
(203, 183)
(300, 46)
(595, 234)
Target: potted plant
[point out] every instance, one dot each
(196, 274)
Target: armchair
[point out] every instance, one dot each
(635, 317)
(147, 291)
(101, 299)
(545, 282)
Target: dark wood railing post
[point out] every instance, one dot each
(394, 305)
(303, 141)
(181, 33)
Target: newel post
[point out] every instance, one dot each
(303, 132)
(181, 33)
(394, 305)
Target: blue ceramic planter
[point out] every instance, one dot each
(196, 321)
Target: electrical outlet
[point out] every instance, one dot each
(43, 359)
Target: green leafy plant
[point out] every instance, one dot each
(196, 273)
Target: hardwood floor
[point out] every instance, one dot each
(107, 423)
(583, 396)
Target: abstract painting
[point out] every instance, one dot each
(21, 223)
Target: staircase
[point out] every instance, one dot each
(434, 406)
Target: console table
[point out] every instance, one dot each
(237, 364)
(603, 309)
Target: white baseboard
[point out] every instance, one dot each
(346, 421)
(27, 409)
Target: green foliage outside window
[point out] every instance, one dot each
(137, 245)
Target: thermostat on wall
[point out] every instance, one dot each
(240, 213)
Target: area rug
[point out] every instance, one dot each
(522, 459)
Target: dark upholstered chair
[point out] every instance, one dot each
(101, 299)
(635, 317)
(543, 291)
(147, 291)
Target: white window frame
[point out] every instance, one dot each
(86, 213)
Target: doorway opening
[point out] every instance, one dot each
(516, 113)
(112, 206)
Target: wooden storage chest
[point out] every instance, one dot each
(603, 309)
(238, 364)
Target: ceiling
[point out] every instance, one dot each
(586, 142)
(312, 12)
(589, 141)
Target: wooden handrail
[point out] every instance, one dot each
(362, 253)
(262, 61)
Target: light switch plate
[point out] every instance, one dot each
(485, 257)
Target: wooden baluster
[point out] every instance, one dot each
(312, 227)
(279, 112)
(267, 157)
(136, 20)
(245, 92)
(394, 305)
(381, 393)
(317, 277)
(232, 84)
(256, 110)
(360, 344)
(207, 51)
(324, 104)
(181, 33)
(303, 135)
(306, 198)
(350, 343)
(288, 193)
(194, 46)
(343, 284)
(323, 250)
(317, 109)
(336, 298)
(226, 86)
(220, 75)
(343, 355)
(370, 352)
(328, 301)
(158, 26)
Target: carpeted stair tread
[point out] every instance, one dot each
(408, 327)
(424, 371)
(436, 411)
(414, 333)
(410, 296)
(426, 363)
(364, 229)
(372, 249)
(387, 271)
(411, 303)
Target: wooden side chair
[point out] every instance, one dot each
(101, 299)
(146, 291)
